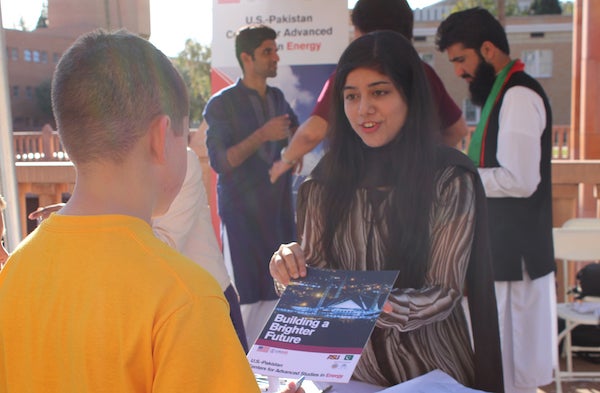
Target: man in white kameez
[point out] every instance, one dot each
(511, 146)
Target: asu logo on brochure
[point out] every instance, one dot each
(333, 357)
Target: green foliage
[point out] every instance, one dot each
(44, 100)
(194, 65)
(543, 7)
(511, 7)
(43, 19)
(22, 24)
(41, 23)
(567, 8)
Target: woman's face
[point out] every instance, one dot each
(374, 107)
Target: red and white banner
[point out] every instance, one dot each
(309, 32)
(311, 36)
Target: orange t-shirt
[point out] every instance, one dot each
(98, 304)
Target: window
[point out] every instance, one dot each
(12, 53)
(538, 62)
(55, 57)
(28, 92)
(44, 57)
(27, 55)
(471, 111)
(15, 91)
(36, 56)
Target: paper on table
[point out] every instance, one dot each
(350, 387)
(587, 308)
(435, 381)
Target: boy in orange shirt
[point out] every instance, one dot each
(92, 301)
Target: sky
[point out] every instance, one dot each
(170, 26)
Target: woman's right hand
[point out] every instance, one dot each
(288, 263)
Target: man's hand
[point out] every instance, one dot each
(276, 129)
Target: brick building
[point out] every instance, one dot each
(543, 42)
(32, 56)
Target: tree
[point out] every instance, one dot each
(43, 19)
(567, 8)
(22, 24)
(44, 101)
(194, 65)
(511, 7)
(542, 7)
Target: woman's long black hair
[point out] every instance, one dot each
(411, 173)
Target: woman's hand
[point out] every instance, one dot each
(288, 263)
(43, 212)
(279, 168)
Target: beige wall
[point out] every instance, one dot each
(78, 16)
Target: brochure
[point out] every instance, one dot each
(321, 325)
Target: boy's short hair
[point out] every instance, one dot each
(471, 28)
(250, 37)
(107, 89)
(372, 15)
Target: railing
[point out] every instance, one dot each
(38, 146)
(575, 193)
(575, 183)
(560, 142)
(45, 145)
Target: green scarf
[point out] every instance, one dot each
(476, 144)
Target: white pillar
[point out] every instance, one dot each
(8, 179)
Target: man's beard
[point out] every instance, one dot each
(482, 83)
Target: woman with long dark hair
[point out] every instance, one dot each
(386, 197)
